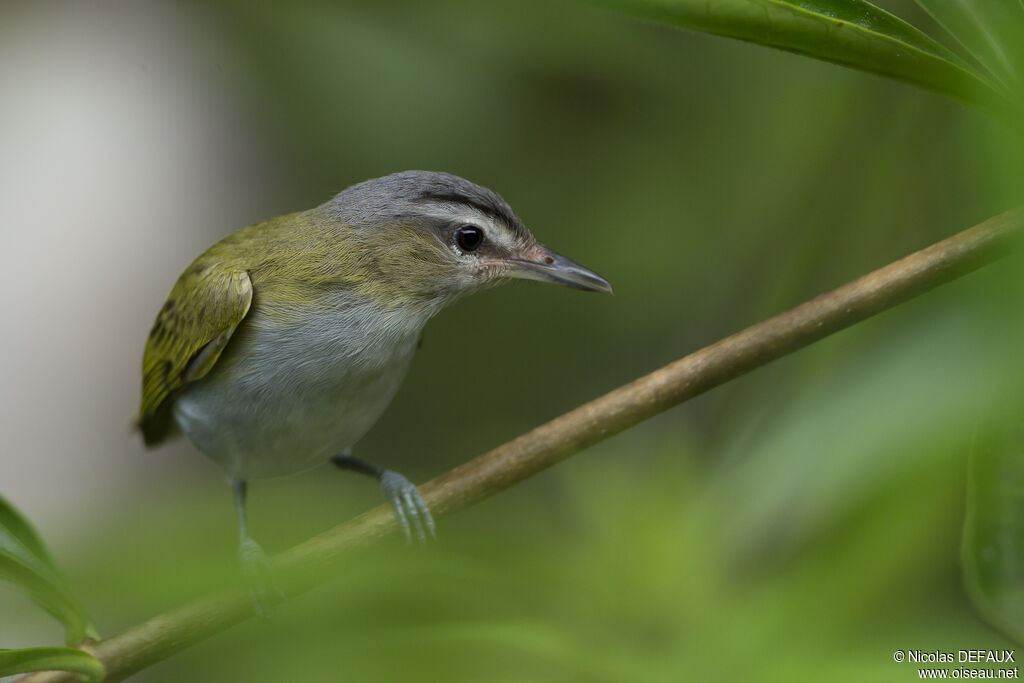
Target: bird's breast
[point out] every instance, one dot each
(297, 389)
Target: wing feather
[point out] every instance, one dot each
(194, 326)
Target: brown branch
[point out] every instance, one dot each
(310, 563)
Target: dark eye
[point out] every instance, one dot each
(469, 237)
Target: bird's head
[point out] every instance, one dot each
(436, 236)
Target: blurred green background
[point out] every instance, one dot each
(802, 522)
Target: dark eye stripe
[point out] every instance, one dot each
(492, 210)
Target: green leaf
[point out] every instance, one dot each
(49, 592)
(51, 659)
(991, 31)
(25, 562)
(853, 33)
(993, 543)
(17, 528)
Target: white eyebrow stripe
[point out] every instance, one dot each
(494, 230)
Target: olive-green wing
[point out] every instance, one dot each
(195, 324)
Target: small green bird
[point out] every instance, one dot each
(282, 344)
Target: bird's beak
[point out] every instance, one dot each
(540, 263)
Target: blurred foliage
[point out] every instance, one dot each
(858, 34)
(801, 523)
(25, 562)
(854, 33)
(993, 552)
(990, 32)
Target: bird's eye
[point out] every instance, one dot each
(469, 237)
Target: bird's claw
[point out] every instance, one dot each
(412, 511)
(264, 591)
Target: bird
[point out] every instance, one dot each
(282, 344)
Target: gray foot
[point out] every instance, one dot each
(409, 505)
(259, 578)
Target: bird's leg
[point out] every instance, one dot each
(256, 568)
(411, 509)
